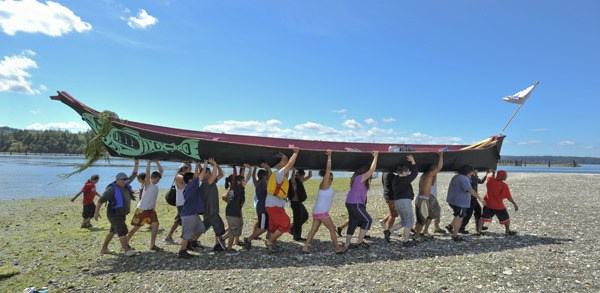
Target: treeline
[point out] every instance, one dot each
(47, 141)
(552, 159)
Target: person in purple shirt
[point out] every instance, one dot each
(459, 198)
(356, 204)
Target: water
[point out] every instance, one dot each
(38, 176)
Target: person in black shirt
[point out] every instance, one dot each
(297, 195)
(475, 209)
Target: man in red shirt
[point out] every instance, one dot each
(497, 191)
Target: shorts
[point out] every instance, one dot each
(502, 215)
(433, 209)
(192, 225)
(459, 211)
(278, 220)
(405, 211)
(321, 216)
(263, 221)
(118, 226)
(216, 223)
(235, 226)
(178, 217)
(141, 217)
(392, 207)
(88, 211)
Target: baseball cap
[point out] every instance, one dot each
(122, 176)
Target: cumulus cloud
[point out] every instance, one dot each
(69, 126)
(317, 131)
(340, 111)
(370, 121)
(526, 142)
(262, 128)
(351, 123)
(567, 142)
(30, 16)
(14, 75)
(389, 120)
(142, 20)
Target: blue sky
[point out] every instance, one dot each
(385, 71)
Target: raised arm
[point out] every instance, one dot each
(306, 178)
(254, 179)
(160, 168)
(220, 175)
(135, 170)
(291, 161)
(413, 168)
(266, 167)
(249, 168)
(147, 179)
(213, 174)
(368, 174)
(440, 164)
(326, 183)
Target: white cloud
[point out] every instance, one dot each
(70, 126)
(35, 112)
(389, 120)
(351, 123)
(370, 121)
(422, 138)
(340, 111)
(267, 128)
(316, 127)
(142, 20)
(30, 16)
(567, 142)
(14, 76)
(526, 142)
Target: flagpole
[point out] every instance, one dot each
(519, 108)
(511, 118)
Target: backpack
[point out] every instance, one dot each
(171, 196)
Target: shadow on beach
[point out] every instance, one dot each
(292, 256)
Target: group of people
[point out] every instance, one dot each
(197, 195)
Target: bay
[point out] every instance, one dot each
(32, 176)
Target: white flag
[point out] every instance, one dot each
(520, 97)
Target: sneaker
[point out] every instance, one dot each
(184, 254)
(130, 252)
(367, 237)
(386, 235)
(339, 231)
(463, 231)
(170, 240)
(230, 252)
(246, 240)
(352, 246)
(439, 231)
(221, 243)
(409, 244)
(511, 233)
(300, 239)
(218, 248)
(484, 228)
(156, 248)
(382, 223)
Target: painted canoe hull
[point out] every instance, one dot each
(146, 141)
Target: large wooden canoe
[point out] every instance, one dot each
(146, 141)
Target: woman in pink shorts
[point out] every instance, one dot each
(321, 210)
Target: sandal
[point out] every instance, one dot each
(352, 246)
(364, 245)
(344, 250)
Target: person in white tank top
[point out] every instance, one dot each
(179, 199)
(321, 210)
(145, 213)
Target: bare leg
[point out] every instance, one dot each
(107, 240)
(456, 222)
(230, 243)
(348, 240)
(153, 234)
(406, 234)
(124, 243)
(361, 236)
(173, 228)
(274, 236)
(131, 232)
(313, 230)
(331, 227)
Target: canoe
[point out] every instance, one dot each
(145, 141)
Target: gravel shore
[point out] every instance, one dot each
(555, 250)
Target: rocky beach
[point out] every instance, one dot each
(555, 249)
